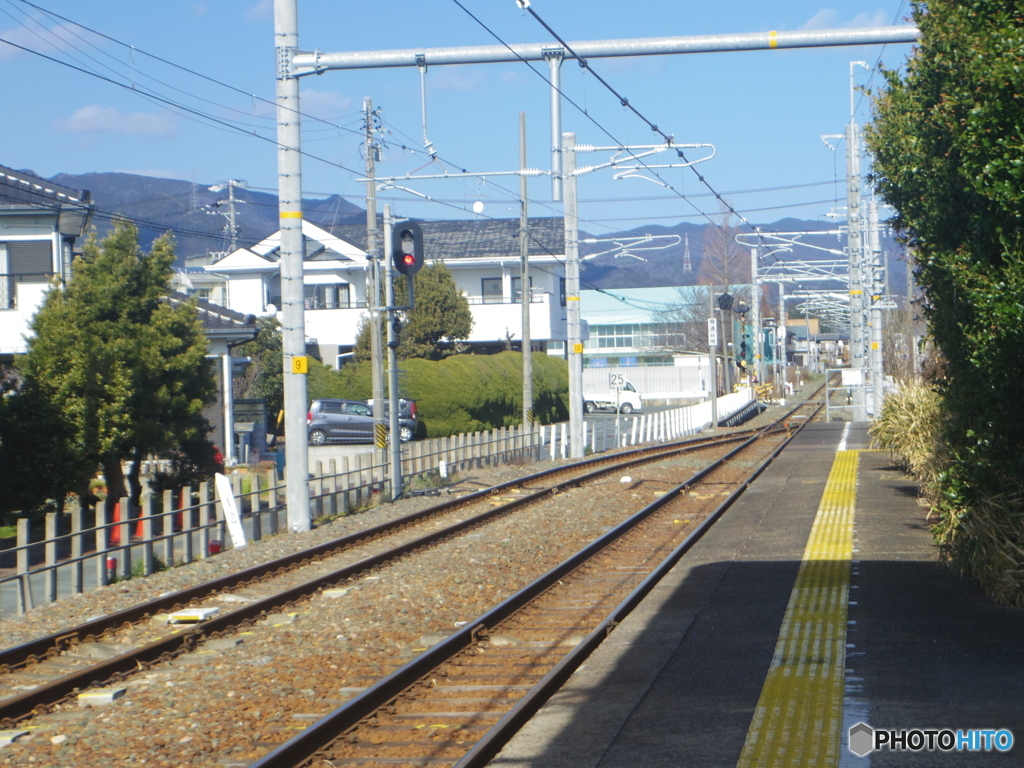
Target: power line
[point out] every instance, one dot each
(200, 75)
(654, 128)
(174, 105)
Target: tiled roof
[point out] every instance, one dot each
(490, 238)
(20, 187)
(217, 318)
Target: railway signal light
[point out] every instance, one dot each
(407, 247)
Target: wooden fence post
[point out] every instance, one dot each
(187, 524)
(167, 527)
(147, 534)
(332, 487)
(101, 545)
(77, 571)
(318, 489)
(50, 592)
(271, 478)
(204, 519)
(256, 504)
(346, 484)
(25, 601)
(124, 565)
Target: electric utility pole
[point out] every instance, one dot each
(525, 295)
(855, 245)
(397, 485)
(757, 359)
(289, 182)
(373, 271)
(572, 296)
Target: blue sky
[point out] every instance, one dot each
(764, 111)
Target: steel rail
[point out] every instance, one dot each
(304, 745)
(17, 708)
(40, 648)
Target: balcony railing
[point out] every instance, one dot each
(536, 298)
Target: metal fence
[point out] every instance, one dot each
(177, 527)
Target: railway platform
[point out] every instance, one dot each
(815, 604)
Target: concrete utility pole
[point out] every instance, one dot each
(780, 336)
(373, 273)
(878, 303)
(713, 356)
(855, 245)
(572, 296)
(757, 361)
(524, 280)
(289, 182)
(397, 486)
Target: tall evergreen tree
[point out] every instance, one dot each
(947, 138)
(439, 321)
(124, 366)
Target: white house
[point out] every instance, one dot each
(39, 223)
(483, 257)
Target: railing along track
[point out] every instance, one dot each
(15, 709)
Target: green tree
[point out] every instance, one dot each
(947, 139)
(124, 366)
(264, 377)
(439, 321)
(40, 459)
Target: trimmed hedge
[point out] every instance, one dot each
(462, 393)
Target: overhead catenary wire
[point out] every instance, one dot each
(625, 103)
(213, 80)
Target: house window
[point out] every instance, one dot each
(561, 291)
(327, 296)
(517, 286)
(23, 262)
(611, 336)
(491, 290)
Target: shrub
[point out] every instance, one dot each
(909, 427)
(463, 393)
(984, 541)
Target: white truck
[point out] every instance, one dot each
(627, 399)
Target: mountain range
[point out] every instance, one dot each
(197, 214)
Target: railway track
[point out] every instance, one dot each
(43, 672)
(461, 700)
(29, 663)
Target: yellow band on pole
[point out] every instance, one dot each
(291, 214)
(773, 39)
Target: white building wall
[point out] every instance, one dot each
(246, 294)
(14, 323)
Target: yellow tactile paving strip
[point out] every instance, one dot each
(799, 715)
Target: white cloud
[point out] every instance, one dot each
(264, 9)
(829, 18)
(96, 119)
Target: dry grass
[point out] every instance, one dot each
(986, 542)
(909, 429)
(983, 540)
